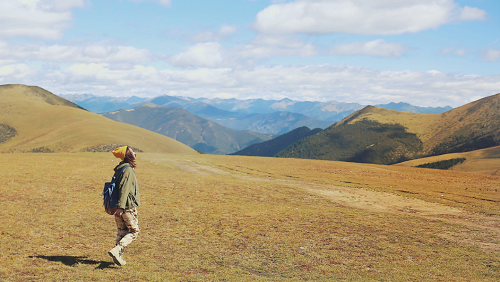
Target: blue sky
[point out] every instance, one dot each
(424, 52)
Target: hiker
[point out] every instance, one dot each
(128, 200)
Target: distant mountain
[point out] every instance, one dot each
(272, 147)
(268, 123)
(34, 120)
(257, 115)
(405, 107)
(179, 124)
(327, 111)
(330, 111)
(103, 104)
(376, 135)
(273, 123)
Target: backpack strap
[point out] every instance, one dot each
(115, 176)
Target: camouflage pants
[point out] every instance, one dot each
(127, 228)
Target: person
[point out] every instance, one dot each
(128, 200)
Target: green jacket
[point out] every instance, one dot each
(128, 190)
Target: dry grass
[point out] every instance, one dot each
(60, 128)
(423, 125)
(484, 161)
(221, 218)
(470, 191)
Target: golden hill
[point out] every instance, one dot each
(35, 120)
(377, 135)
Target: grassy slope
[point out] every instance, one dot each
(365, 141)
(231, 218)
(420, 124)
(42, 119)
(485, 161)
(470, 127)
(481, 116)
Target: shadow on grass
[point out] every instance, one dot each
(73, 260)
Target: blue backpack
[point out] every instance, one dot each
(110, 194)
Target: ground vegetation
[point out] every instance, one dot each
(235, 218)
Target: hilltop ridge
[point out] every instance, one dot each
(35, 93)
(377, 135)
(34, 120)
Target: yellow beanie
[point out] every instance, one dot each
(120, 152)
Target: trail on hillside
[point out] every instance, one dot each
(481, 225)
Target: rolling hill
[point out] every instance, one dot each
(377, 135)
(200, 134)
(34, 120)
(271, 147)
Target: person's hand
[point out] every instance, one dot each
(119, 212)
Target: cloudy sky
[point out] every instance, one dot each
(424, 52)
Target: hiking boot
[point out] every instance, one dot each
(115, 253)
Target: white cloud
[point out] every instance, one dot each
(446, 51)
(44, 19)
(224, 32)
(453, 51)
(71, 54)
(165, 3)
(460, 52)
(209, 54)
(491, 55)
(314, 82)
(213, 54)
(375, 48)
(472, 14)
(14, 73)
(264, 46)
(381, 17)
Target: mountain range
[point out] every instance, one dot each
(198, 133)
(277, 122)
(258, 115)
(35, 120)
(234, 124)
(104, 104)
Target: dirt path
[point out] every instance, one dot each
(388, 202)
(485, 226)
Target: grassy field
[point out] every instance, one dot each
(484, 161)
(233, 218)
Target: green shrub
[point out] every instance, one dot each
(365, 141)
